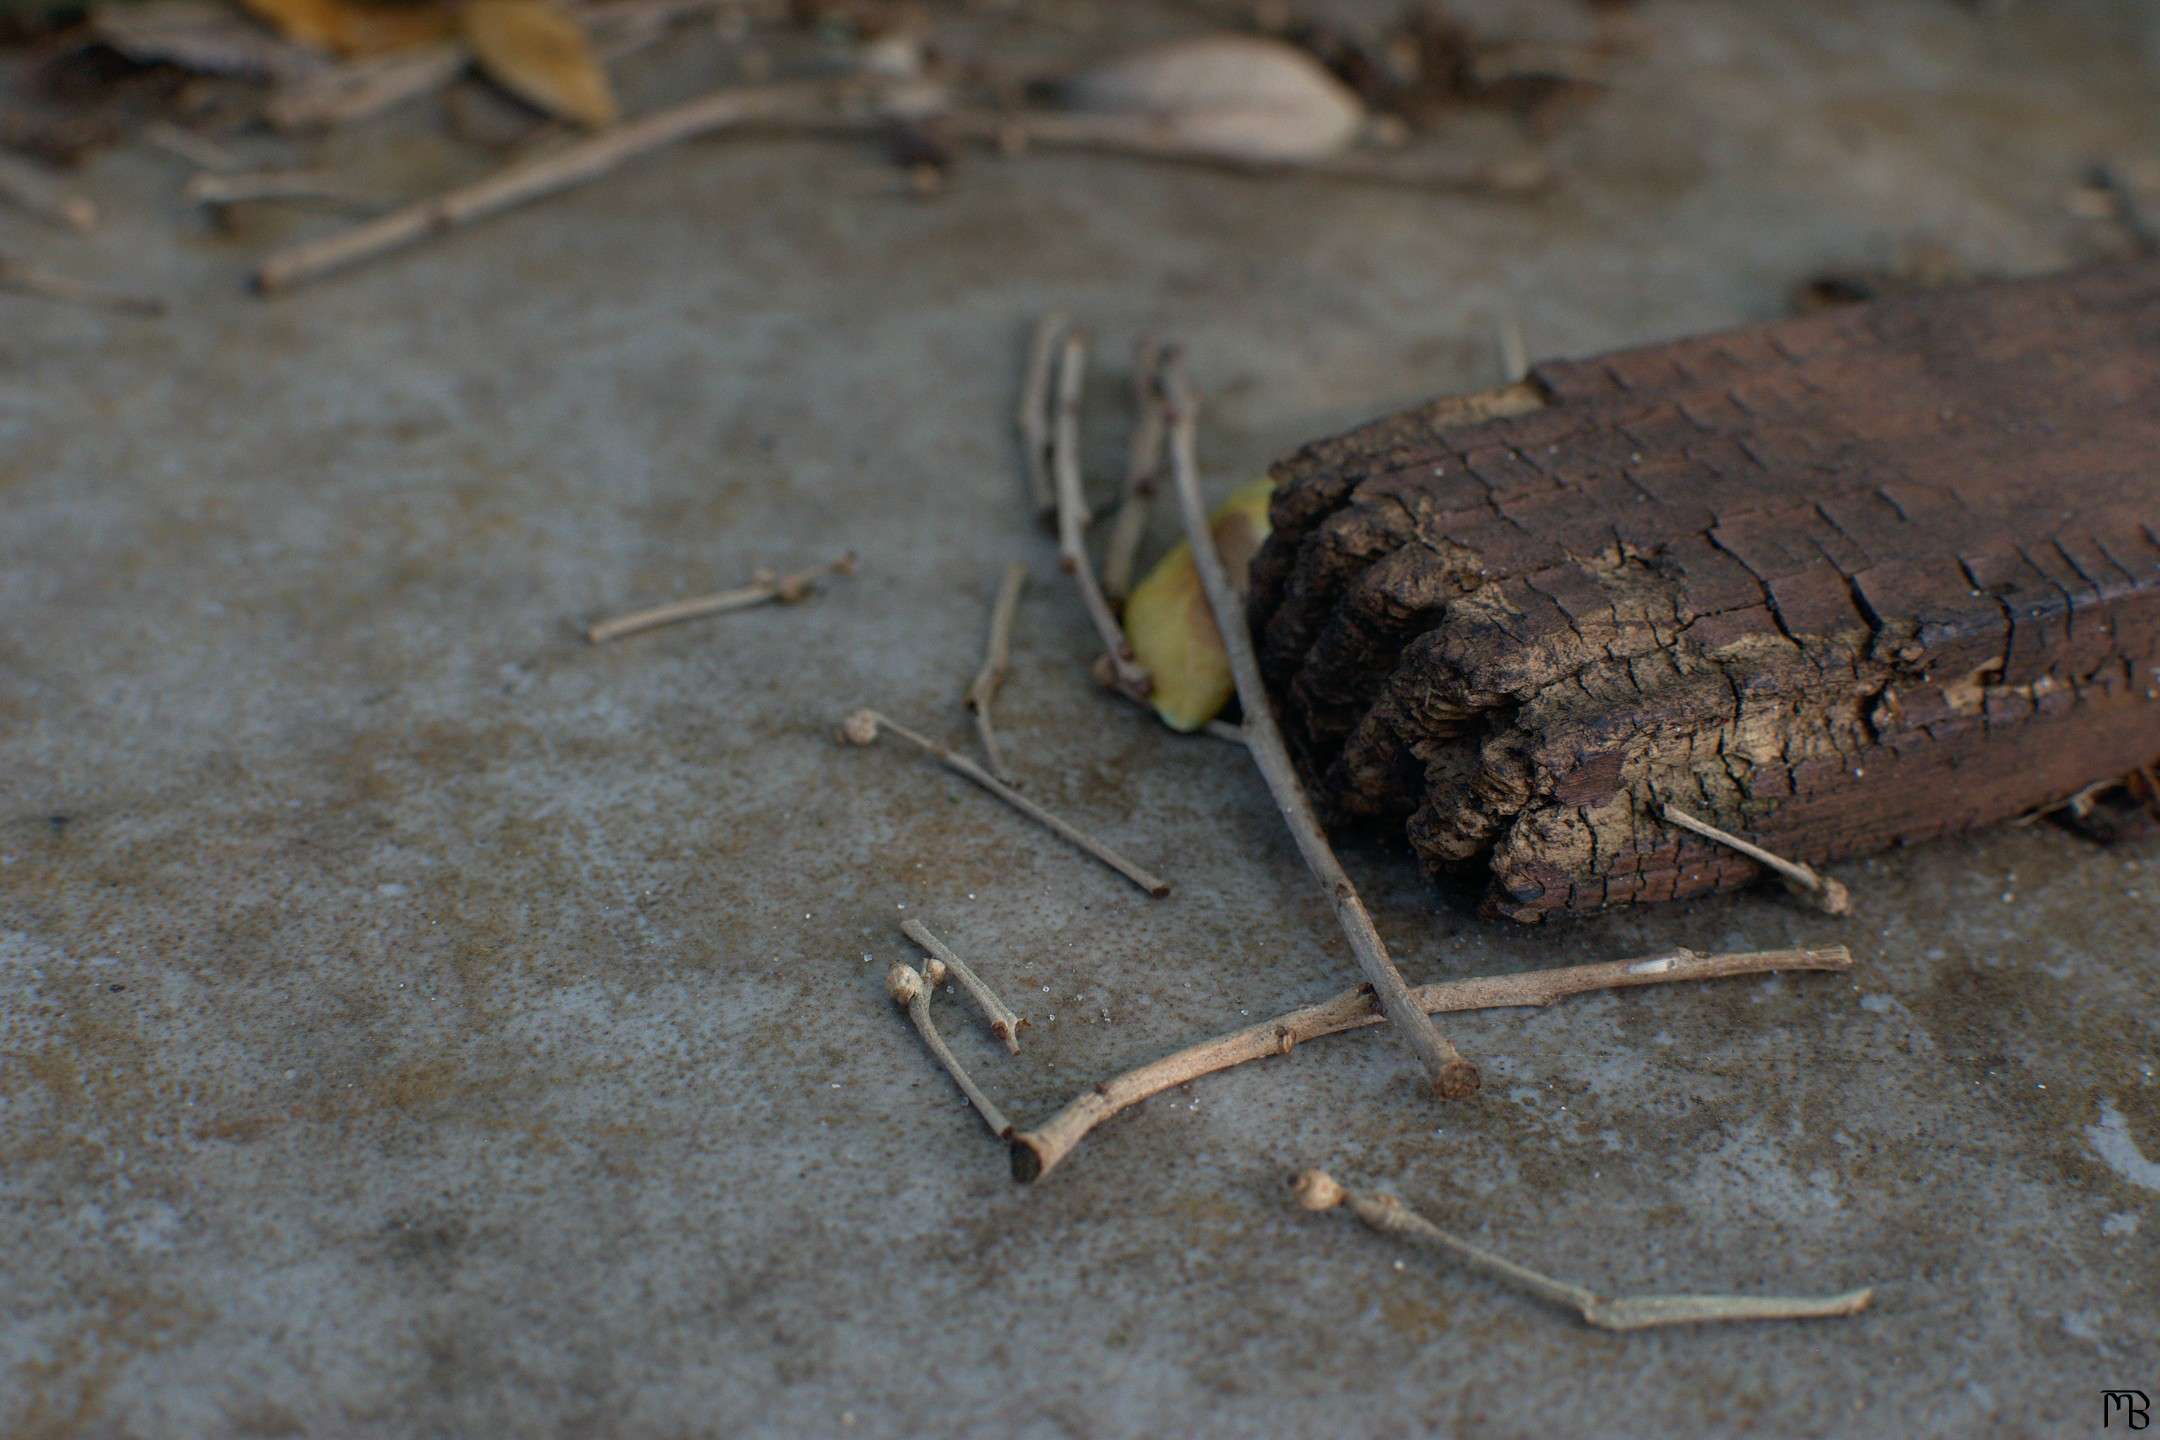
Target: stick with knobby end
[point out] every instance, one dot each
(863, 726)
(1073, 517)
(26, 187)
(764, 587)
(1453, 1077)
(997, 659)
(1827, 895)
(20, 279)
(1004, 1021)
(1035, 1151)
(1143, 471)
(1033, 416)
(1317, 1190)
(528, 180)
(910, 993)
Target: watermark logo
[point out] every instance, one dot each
(2131, 1405)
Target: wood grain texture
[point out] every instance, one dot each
(1836, 583)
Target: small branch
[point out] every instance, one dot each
(862, 727)
(1033, 416)
(1453, 1077)
(1317, 1190)
(21, 279)
(1037, 1150)
(1005, 1022)
(1826, 894)
(528, 180)
(997, 659)
(215, 187)
(198, 150)
(1073, 517)
(1143, 471)
(908, 991)
(763, 587)
(26, 187)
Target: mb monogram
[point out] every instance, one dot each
(2130, 1406)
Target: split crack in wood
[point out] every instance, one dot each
(1317, 1190)
(1453, 1077)
(1825, 894)
(1004, 1022)
(1035, 1152)
(764, 587)
(863, 727)
(911, 993)
(997, 659)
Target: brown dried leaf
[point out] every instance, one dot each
(348, 27)
(539, 53)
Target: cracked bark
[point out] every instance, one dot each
(1836, 583)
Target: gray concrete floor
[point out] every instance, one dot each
(414, 1021)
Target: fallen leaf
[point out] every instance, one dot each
(1170, 627)
(539, 53)
(347, 27)
(1238, 96)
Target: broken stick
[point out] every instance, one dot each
(1453, 1077)
(1005, 1022)
(863, 726)
(764, 587)
(1073, 517)
(1143, 471)
(1035, 1151)
(1317, 1190)
(905, 985)
(1827, 895)
(997, 659)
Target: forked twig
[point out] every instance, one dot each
(1035, 1151)
(1317, 1190)
(764, 587)
(1827, 895)
(997, 659)
(863, 726)
(905, 985)
(1073, 517)
(1453, 1077)
(1005, 1022)
(1143, 470)
(1032, 419)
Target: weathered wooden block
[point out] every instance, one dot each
(1836, 583)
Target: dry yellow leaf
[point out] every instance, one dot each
(349, 27)
(539, 53)
(1168, 623)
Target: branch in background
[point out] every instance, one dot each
(1317, 1190)
(997, 659)
(28, 188)
(908, 991)
(1037, 1150)
(1143, 470)
(20, 279)
(1827, 895)
(1073, 517)
(763, 587)
(863, 727)
(358, 89)
(1453, 1077)
(1033, 416)
(1005, 1022)
(224, 187)
(198, 150)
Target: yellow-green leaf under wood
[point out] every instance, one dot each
(1170, 627)
(538, 52)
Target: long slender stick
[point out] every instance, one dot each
(1453, 1077)
(862, 728)
(997, 659)
(21, 279)
(906, 987)
(1317, 1190)
(528, 180)
(1828, 895)
(26, 187)
(1033, 416)
(1073, 517)
(225, 187)
(765, 587)
(1005, 1022)
(1143, 470)
(1036, 1151)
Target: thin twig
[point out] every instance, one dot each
(198, 150)
(907, 989)
(1453, 1077)
(1073, 517)
(1037, 1150)
(26, 187)
(997, 659)
(20, 279)
(1005, 1022)
(1317, 1190)
(1033, 416)
(862, 727)
(763, 587)
(1224, 730)
(1826, 894)
(1143, 471)
(528, 180)
(218, 187)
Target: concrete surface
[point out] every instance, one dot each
(416, 1022)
